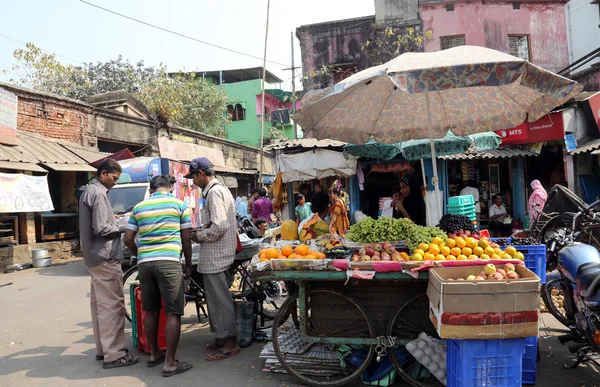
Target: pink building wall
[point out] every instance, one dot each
(272, 103)
(488, 24)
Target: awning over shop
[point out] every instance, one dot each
(587, 146)
(32, 151)
(315, 164)
(123, 154)
(186, 152)
(501, 153)
(305, 143)
(228, 181)
(87, 154)
(235, 170)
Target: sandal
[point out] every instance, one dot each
(101, 357)
(154, 363)
(125, 361)
(181, 368)
(223, 355)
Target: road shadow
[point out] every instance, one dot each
(74, 268)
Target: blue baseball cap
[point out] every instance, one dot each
(198, 164)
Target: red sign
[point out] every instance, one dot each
(595, 107)
(548, 128)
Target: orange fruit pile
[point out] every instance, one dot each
(287, 252)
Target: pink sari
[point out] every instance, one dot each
(537, 198)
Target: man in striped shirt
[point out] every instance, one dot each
(164, 225)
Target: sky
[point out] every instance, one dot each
(82, 33)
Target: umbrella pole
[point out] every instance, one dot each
(433, 158)
(427, 209)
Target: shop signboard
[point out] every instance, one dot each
(570, 142)
(24, 193)
(8, 118)
(548, 128)
(594, 102)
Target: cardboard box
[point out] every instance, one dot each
(483, 309)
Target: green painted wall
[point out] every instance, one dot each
(248, 131)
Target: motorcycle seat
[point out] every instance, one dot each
(588, 278)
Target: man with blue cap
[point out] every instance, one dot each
(218, 239)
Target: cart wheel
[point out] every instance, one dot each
(328, 314)
(409, 321)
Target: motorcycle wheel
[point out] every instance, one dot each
(557, 315)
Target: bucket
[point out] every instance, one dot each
(42, 262)
(39, 253)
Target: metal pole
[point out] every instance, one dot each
(294, 87)
(262, 113)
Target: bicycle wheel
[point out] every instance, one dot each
(328, 314)
(129, 278)
(409, 321)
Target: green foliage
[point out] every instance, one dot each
(386, 229)
(183, 98)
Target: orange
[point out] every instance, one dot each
(477, 251)
(294, 256)
(434, 249)
(423, 246)
(437, 240)
(450, 242)
(429, 257)
(484, 256)
(471, 242)
(301, 249)
(287, 250)
(264, 259)
(460, 243)
(451, 258)
(281, 256)
(440, 257)
(272, 253)
(263, 255)
(456, 251)
(404, 256)
(467, 251)
(471, 257)
(309, 256)
(313, 252)
(320, 255)
(445, 251)
(462, 257)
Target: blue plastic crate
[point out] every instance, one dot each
(535, 258)
(489, 363)
(461, 200)
(530, 360)
(508, 240)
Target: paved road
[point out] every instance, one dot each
(46, 340)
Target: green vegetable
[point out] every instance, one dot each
(387, 229)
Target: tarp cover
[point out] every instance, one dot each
(315, 164)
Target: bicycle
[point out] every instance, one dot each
(266, 295)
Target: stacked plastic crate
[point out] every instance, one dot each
(462, 205)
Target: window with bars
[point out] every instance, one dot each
(451, 41)
(518, 45)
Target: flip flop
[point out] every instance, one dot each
(181, 368)
(222, 356)
(154, 363)
(213, 347)
(101, 357)
(129, 361)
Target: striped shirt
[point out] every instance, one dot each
(159, 221)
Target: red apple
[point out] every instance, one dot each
(512, 275)
(501, 271)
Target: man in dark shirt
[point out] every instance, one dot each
(100, 238)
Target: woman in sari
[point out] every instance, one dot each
(536, 201)
(338, 216)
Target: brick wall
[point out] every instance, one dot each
(53, 119)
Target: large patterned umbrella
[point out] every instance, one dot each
(374, 150)
(466, 89)
(450, 144)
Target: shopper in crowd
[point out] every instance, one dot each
(173, 183)
(304, 189)
(251, 200)
(411, 204)
(537, 200)
(389, 206)
(218, 239)
(265, 230)
(244, 206)
(164, 225)
(338, 216)
(100, 238)
(470, 190)
(497, 216)
(302, 210)
(263, 207)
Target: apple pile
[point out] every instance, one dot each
(378, 252)
(490, 273)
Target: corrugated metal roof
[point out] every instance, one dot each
(502, 153)
(32, 149)
(587, 146)
(305, 143)
(87, 154)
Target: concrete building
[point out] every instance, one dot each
(583, 31)
(244, 89)
(534, 29)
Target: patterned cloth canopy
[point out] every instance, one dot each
(468, 89)
(450, 144)
(374, 150)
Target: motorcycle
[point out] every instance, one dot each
(577, 276)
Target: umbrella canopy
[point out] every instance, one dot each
(419, 95)
(485, 141)
(374, 150)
